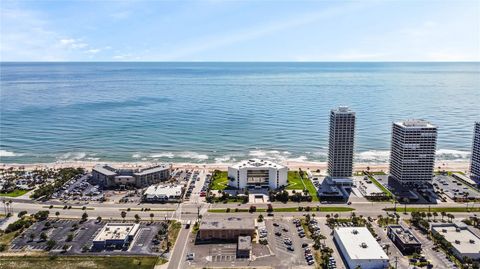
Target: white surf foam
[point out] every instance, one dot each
(6, 153)
(192, 155)
(169, 155)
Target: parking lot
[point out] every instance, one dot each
(79, 189)
(453, 189)
(60, 230)
(79, 237)
(197, 189)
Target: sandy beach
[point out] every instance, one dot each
(293, 165)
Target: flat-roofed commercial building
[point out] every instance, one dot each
(475, 165)
(244, 246)
(225, 229)
(464, 242)
(115, 235)
(412, 156)
(341, 142)
(108, 176)
(257, 173)
(359, 248)
(403, 238)
(163, 193)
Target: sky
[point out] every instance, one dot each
(261, 30)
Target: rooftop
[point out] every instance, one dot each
(459, 236)
(111, 171)
(405, 235)
(360, 244)
(342, 110)
(415, 123)
(105, 169)
(244, 242)
(150, 170)
(116, 231)
(257, 163)
(163, 191)
(227, 223)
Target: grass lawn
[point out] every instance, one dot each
(295, 182)
(78, 262)
(14, 193)
(173, 231)
(7, 238)
(220, 181)
(311, 189)
(380, 186)
(435, 209)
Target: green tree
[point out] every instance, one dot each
(51, 244)
(84, 216)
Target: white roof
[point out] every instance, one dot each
(116, 231)
(257, 163)
(163, 191)
(415, 123)
(360, 244)
(343, 110)
(460, 237)
(152, 170)
(105, 170)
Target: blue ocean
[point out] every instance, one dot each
(223, 112)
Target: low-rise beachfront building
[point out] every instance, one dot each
(163, 193)
(109, 177)
(225, 229)
(115, 236)
(403, 238)
(359, 248)
(464, 242)
(257, 173)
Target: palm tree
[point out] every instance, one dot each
(123, 215)
(443, 213)
(387, 247)
(435, 215)
(57, 214)
(10, 202)
(151, 217)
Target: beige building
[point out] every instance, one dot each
(228, 229)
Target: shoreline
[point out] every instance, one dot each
(292, 165)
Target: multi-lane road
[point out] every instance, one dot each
(189, 211)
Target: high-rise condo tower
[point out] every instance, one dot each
(412, 156)
(475, 166)
(341, 142)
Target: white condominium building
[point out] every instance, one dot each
(257, 174)
(341, 142)
(475, 166)
(412, 157)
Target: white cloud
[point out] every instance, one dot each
(72, 43)
(298, 20)
(26, 35)
(93, 51)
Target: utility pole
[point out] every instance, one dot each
(198, 213)
(168, 247)
(396, 262)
